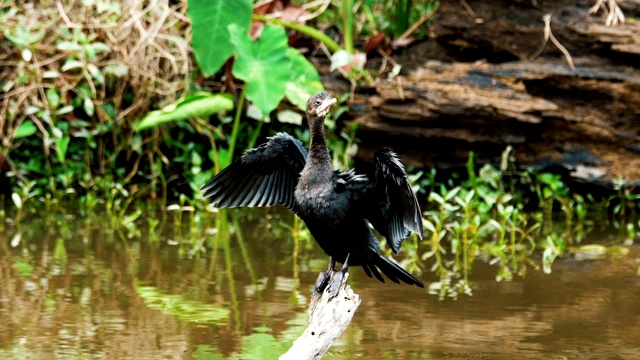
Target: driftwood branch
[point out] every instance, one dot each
(328, 319)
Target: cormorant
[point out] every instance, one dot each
(334, 205)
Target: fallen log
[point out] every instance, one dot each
(475, 88)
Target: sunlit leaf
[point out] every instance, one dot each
(88, 106)
(15, 241)
(51, 74)
(429, 226)
(199, 104)
(26, 129)
(132, 217)
(100, 47)
(68, 45)
(53, 97)
(210, 20)
(289, 117)
(118, 70)
(174, 207)
(304, 80)
(263, 65)
(17, 201)
(71, 64)
(436, 197)
(61, 148)
(65, 109)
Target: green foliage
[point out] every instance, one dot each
(26, 129)
(263, 65)
(480, 219)
(199, 104)
(210, 20)
(394, 17)
(303, 81)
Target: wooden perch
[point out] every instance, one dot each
(328, 319)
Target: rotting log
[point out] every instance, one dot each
(328, 319)
(583, 122)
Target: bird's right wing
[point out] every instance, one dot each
(263, 176)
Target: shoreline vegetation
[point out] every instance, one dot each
(121, 108)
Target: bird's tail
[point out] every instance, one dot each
(391, 270)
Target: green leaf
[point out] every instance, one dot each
(17, 200)
(68, 45)
(210, 20)
(62, 145)
(263, 65)
(304, 80)
(198, 104)
(53, 97)
(26, 129)
(72, 64)
(88, 106)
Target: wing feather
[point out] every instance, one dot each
(263, 176)
(393, 209)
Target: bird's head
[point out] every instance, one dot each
(319, 104)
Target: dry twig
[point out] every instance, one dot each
(549, 35)
(612, 10)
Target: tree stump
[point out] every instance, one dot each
(328, 319)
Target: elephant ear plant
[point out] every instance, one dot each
(269, 68)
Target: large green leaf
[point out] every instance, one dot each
(26, 129)
(304, 80)
(198, 104)
(210, 20)
(263, 65)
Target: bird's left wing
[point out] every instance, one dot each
(263, 176)
(392, 207)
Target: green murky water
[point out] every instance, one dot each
(85, 289)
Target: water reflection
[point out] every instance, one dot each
(83, 288)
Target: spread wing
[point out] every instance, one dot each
(392, 209)
(263, 176)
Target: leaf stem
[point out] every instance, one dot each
(304, 29)
(347, 9)
(236, 122)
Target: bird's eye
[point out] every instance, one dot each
(318, 102)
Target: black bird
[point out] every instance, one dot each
(334, 205)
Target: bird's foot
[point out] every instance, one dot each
(336, 281)
(323, 280)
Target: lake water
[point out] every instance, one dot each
(73, 288)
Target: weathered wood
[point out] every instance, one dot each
(512, 30)
(584, 120)
(328, 319)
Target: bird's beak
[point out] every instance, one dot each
(324, 107)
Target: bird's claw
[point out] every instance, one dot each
(336, 284)
(323, 280)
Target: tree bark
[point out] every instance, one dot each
(328, 319)
(476, 88)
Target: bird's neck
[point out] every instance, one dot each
(319, 157)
